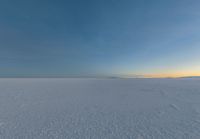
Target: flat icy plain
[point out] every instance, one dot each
(67, 108)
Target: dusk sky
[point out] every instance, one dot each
(151, 38)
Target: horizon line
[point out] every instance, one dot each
(111, 77)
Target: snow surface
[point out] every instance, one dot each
(99, 108)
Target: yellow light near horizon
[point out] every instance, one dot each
(172, 75)
(166, 74)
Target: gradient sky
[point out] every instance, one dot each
(154, 38)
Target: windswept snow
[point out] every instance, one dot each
(99, 108)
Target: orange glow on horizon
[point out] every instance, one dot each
(170, 75)
(167, 74)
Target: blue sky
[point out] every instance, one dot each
(99, 37)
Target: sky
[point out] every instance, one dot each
(130, 38)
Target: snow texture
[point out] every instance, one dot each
(99, 108)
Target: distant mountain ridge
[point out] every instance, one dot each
(196, 77)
